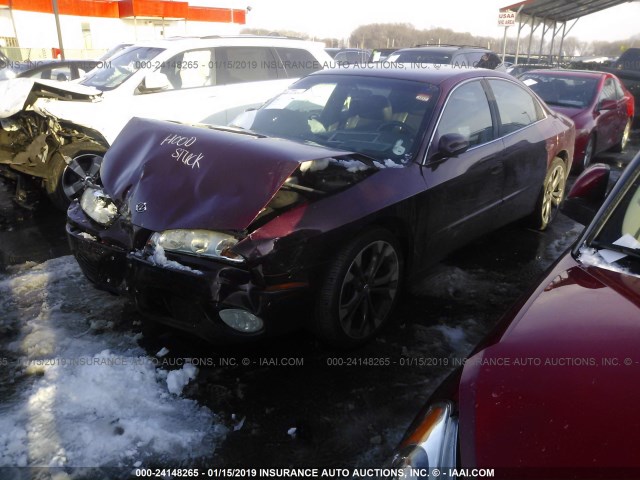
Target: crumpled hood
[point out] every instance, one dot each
(20, 93)
(180, 176)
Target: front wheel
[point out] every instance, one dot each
(551, 195)
(67, 181)
(588, 152)
(359, 290)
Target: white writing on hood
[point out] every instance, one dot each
(182, 154)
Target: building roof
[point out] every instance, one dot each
(562, 10)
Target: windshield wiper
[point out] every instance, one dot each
(632, 252)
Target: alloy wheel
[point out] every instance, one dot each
(81, 172)
(553, 193)
(368, 289)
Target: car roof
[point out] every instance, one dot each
(443, 48)
(567, 73)
(431, 73)
(175, 43)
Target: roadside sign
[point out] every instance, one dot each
(506, 18)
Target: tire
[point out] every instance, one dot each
(551, 195)
(67, 181)
(589, 150)
(622, 144)
(364, 278)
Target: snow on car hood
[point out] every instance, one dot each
(179, 176)
(20, 93)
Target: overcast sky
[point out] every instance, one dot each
(338, 18)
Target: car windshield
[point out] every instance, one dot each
(118, 69)
(562, 90)
(617, 241)
(377, 117)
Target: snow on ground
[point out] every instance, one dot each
(85, 394)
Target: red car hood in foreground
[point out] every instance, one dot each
(180, 176)
(561, 388)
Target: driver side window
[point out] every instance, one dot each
(467, 113)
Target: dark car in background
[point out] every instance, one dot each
(456, 55)
(554, 391)
(627, 69)
(47, 69)
(599, 104)
(333, 194)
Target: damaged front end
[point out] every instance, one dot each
(181, 222)
(36, 146)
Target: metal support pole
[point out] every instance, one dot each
(504, 44)
(57, 16)
(533, 29)
(553, 40)
(564, 32)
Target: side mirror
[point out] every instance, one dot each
(607, 105)
(154, 82)
(587, 194)
(452, 144)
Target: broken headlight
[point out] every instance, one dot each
(201, 243)
(99, 206)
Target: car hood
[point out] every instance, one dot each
(563, 381)
(20, 93)
(179, 176)
(570, 112)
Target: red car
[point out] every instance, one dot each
(598, 103)
(554, 392)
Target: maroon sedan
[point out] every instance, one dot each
(331, 195)
(599, 104)
(554, 392)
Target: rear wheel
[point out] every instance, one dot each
(551, 195)
(67, 181)
(626, 133)
(359, 290)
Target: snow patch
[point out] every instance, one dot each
(163, 352)
(590, 257)
(351, 166)
(87, 236)
(456, 337)
(388, 163)
(87, 398)
(160, 258)
(178, 379)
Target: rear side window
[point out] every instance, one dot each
(190, 69)
(608, 90)
(297, 62)
(467, 113)
(516, 106)
(245, 64)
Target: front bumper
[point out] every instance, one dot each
(189, 299)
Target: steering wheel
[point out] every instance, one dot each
(396, 123)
